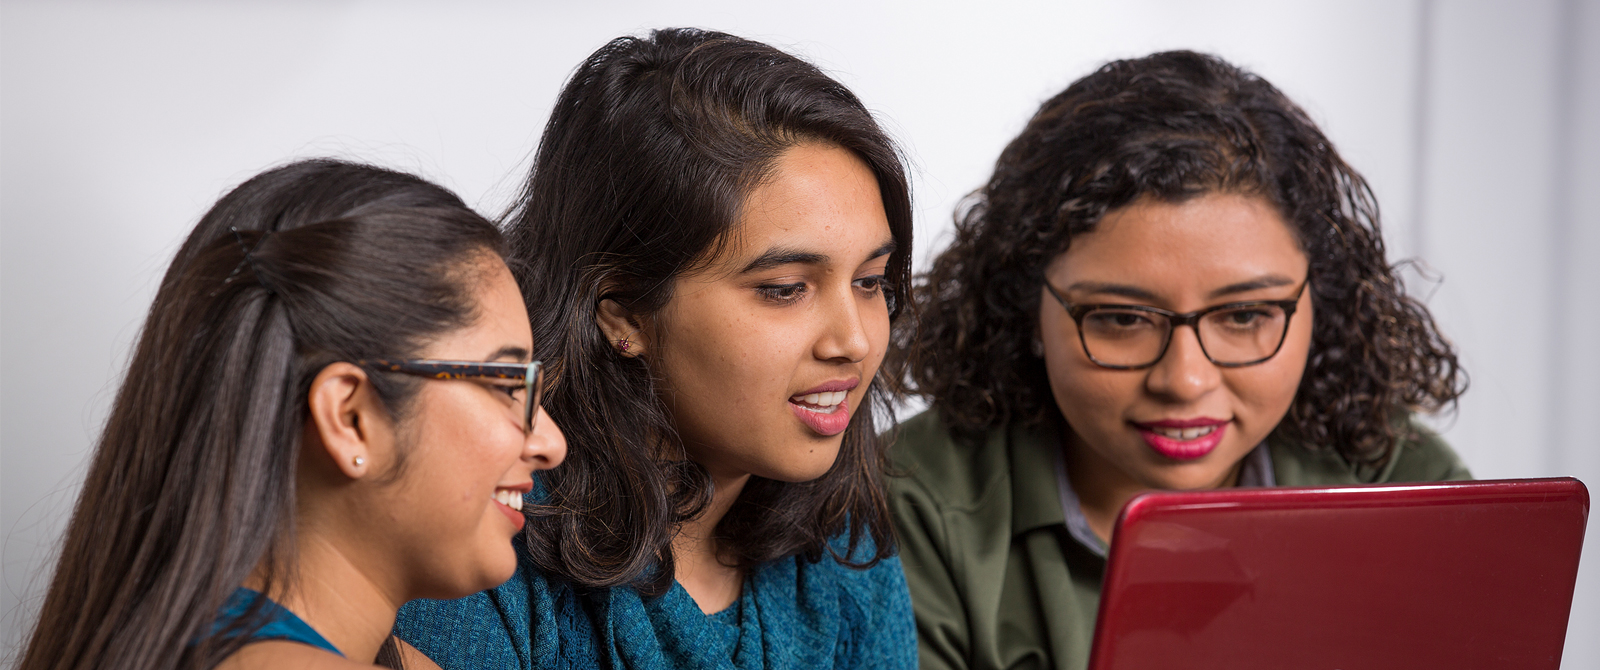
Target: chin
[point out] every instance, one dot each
(488, 577)
(1190, 480)
(806, 471)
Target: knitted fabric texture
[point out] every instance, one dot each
(790, 614)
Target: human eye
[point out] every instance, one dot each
(782, 293)
(512, 388)
(872, 285)
(1247, 317)
(1118, 322)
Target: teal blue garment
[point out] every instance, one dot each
(280, 624)
(791, 614)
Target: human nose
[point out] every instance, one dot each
(845, 331)
(546, 446)
(1184, 372)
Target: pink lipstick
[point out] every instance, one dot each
(515, 493)
(825, 409)
(1183, 439)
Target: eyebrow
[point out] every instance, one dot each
(1136, 293)
(512, 352)
(1267, 281)
(1124, 290)
(780, 256)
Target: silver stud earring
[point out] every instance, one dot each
(358, 461)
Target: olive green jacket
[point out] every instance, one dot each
(997, 581)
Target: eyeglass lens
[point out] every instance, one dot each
(535, 388)
(1136, 338)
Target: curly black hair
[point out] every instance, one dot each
(1172, 126)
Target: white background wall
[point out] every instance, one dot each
(1477, 122)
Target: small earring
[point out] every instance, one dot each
(623, 345)
(358, 461)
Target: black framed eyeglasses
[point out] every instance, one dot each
(1133, 337)
(529, 377)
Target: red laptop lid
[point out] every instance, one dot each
(1453, 575)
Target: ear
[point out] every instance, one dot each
(349, 420)
(621, 328)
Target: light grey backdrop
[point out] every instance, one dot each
(1477, 122)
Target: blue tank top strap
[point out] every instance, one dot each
(281, 624)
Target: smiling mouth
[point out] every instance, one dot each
(1183, 433)
(1181, 442)
(509, 498)
(822, 403)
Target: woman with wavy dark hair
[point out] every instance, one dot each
(1171, 281)
(327, 414)
(713, 243)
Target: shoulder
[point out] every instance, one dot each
(868, 610)
(932, 466)
(1418, 455)
(283, 653)
(494, 627)
(846, 572)
(1422, 456)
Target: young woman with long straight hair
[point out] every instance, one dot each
(714, 242)
(331, 410)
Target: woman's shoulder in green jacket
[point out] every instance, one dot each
(965, 470)
(1419, 455)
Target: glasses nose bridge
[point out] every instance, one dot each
(1192, 320)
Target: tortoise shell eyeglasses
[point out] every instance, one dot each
(526, 377)
(1135, 337)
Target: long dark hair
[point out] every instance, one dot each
(1172, 126)
(192, 486)
(639, 177)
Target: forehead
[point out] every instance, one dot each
(1207, 241)
(502, 319)
(820, 198)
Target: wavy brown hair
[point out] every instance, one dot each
(639, 178)
(1172, 126)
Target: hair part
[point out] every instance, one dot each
(640, 177)
(192, 486)
(1172, 126)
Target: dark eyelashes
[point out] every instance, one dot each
(510, 390)
(880, 283)
(781, 292)
(872, 284)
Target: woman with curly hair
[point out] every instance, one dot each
(1171, 281)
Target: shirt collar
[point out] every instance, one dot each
(1254, 471)
(1035, 497)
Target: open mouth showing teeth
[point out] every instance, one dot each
(821, 403)
(1184, 433)
(509, 498)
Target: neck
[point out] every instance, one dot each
(697, 559)
(1103, 488)
(334, 596)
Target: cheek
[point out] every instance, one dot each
(1087, 394)
(1279, 378)
(875, 319)
(1267, 390)
(466, 445)
(721, 368)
